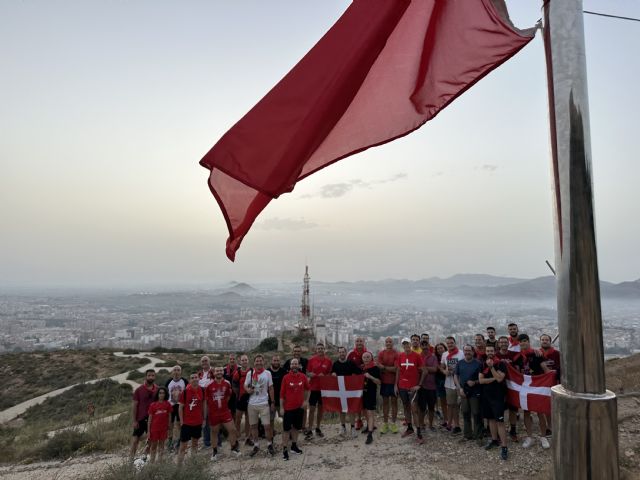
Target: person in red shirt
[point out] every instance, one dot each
(159, 415)
(514, 343)
(317, 366)
(242, 397)
(479, 349)
(552, 359)
(218, 394)
(507, 357)
(407, 382)
(387, 360)
(294, 394)
(142, 398)
(355, 356)
(191, 412)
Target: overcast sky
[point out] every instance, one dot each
(107, 107)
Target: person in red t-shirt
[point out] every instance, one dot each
(294, 394)
(317, 366)
(159, 415)
(355, 356)
(407, 382)
(507, 357)
(479, 349)
(142, 398)
(387, 360)
(191, 412)
(242, 402)
(552, 359)
(218, 394)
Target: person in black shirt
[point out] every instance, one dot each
(493, 399)
(370, 392)
(297, 353)
(277, 374)
(343, 367)
(491, 338)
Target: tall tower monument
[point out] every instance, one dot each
(305, 307)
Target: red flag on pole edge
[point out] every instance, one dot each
(530, 392)
(384, 69)
(341, 394)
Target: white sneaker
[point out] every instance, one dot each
(545, 443)
(528, 442)
(343, 430)
(354, 433)
(214, 457)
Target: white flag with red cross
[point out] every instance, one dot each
(341, 394)
(530, 392)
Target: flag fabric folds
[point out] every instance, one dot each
(341, 394)
(384, 69)
(530, 392)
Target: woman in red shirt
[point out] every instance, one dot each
(159, 414)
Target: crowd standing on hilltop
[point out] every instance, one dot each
(430, 381)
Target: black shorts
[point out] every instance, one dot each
(427, 398)
(493, 408)
(187, 432)
(293, 418)
(243, 402)
(369, 401)
(175, 417)
(315, 398)
(142, 427)
(406, 396)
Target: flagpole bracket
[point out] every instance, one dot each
(582, 421)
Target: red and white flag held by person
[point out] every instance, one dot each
(530, 392)
(384, 69)
(341, 394)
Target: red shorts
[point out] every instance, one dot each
(220, 419)
(158, 436)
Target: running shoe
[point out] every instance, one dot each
(547, 433)
(248, 442)
(308, 435)
(236, 451)
(214, 456)
(319, 433)
(254, 451)
(504, 453)
(528, 442)
(354, 433)
(456, 430)
(491, 444)
(369, 440)
(343, 430)
(545, 443)
(393, 428)
(295, 449)
(408, 432)
(384, 429)
(271, 450)
(444, 424)
(285, 455)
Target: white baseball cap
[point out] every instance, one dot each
(405, 340)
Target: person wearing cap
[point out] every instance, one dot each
(408, 382)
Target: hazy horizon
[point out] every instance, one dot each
(106, 109)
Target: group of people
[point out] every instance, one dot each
(429, 380)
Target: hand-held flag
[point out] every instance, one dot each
(530, 392)
(384, 69)
(341, 394)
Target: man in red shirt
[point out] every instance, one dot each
(409, 367)
(294, 394)
(514, 343)
(387, 360)
(317, 366)
(480, 348)
(552, 359)
(142, 398)
(218, 394)
(355, 356)
(191, 412)
(242, 402)
(507, 357)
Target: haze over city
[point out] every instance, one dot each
(106, 109)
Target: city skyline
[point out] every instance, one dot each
(106, 111)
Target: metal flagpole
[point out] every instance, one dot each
(585, 428)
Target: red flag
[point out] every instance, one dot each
(530, 392)
(384, 69)
(341, 394)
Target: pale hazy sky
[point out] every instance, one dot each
(106, 107)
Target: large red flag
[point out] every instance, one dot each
(341, 394)
(530, 392)
(384, 69)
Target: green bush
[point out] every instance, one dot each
(63, 445)
(130, 351)
(269, 344)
